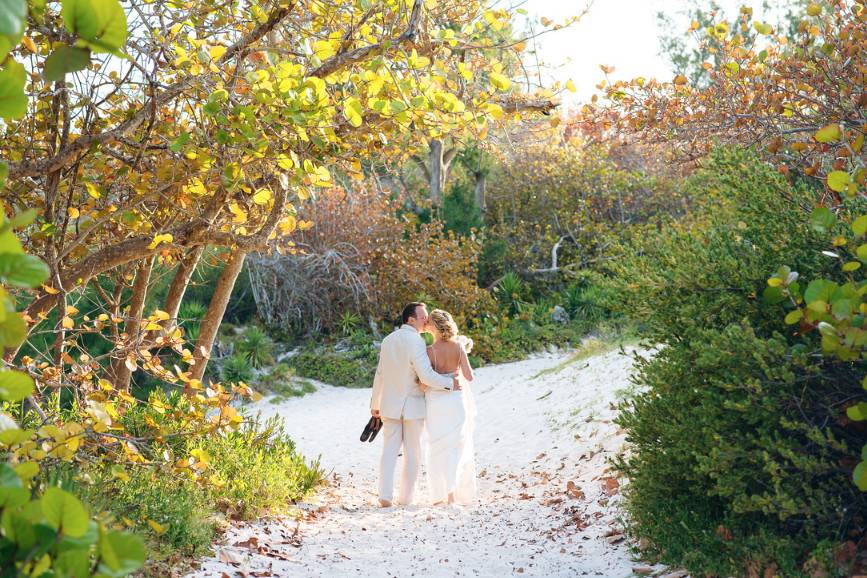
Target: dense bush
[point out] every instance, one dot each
(365, 258)
(281, 474)
(281, 381)
(347, 363)
(737, 456)
(250, 471)
(257, 347)
(173, 512)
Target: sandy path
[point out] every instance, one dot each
(542, 423)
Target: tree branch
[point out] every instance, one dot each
(125, 128)
(349, 57)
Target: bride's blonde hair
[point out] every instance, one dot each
(445, 324)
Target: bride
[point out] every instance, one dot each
(450, 416)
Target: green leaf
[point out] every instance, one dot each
(859, 225)
(773, 295)
(4, 170)
(851, 266)
(859, 476)
(819, 290)
(101, 23)
(64, 60)
(13, 101)
(842, 308)
(822, 219)
(13, 15)
(22, 270)
(12, 330)
(121, 553)
(15, 385)
(178, 144)
(22, 219)
(838, 180)
(64, 512)
(857, 412)
(73, 562)
(794, 316)
(12, 491)
(829, 133)
(861, 251)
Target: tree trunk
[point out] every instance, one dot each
(179, 285)
(481, 183)
(132, 327)
(216, 308)
(436, 172)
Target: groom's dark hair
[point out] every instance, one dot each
(409, 311)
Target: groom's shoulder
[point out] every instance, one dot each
(396, 334)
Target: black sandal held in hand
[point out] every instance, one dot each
(371, 429)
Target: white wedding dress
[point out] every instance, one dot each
(450, 424)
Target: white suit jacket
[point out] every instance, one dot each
(402, 357)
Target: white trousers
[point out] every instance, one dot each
(399, 433)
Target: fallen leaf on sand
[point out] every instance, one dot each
(610, 486)
(574, 491)
(228, 558)
(252, 543)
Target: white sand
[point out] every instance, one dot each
(536, 433)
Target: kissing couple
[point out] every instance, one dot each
(416, 387)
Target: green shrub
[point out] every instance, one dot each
(720, 440)
(335, 368)
(459, 210)
(257, 347)
(256, 469)
(510, 293)
(190, 316)
(281, 381)
(589, 298)
(235, 368)
(52, 534)
(173, 512)
(737, 453)
(348, 322)
(349, 363)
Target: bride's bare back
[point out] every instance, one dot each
(449, 357)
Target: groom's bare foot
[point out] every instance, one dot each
(385, 503)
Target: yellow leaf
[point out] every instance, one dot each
(73, 212)
(288, 225)
(262, 197)
(217, 52)
(67, 322)
(163, 238)
(500, 82)
(570, 86)
(29, 44)
(50, 290)
(240, 216)
(158, 529)
(828, 133)
(92, 190)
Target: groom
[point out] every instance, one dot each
(399, 401)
